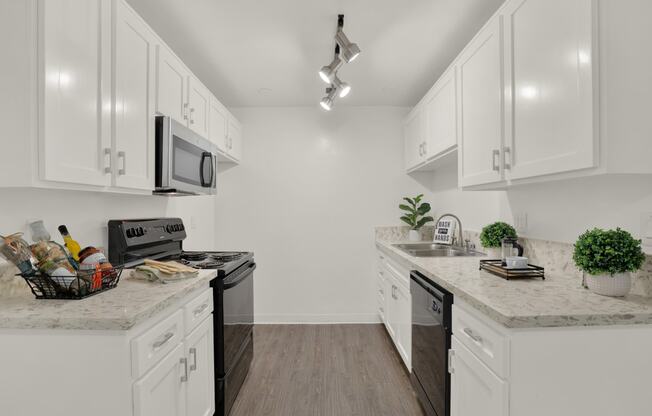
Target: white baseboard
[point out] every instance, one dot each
(362, 318)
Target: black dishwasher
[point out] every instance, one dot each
(431, 340)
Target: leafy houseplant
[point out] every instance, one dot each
(415, 215)
(492, 236)
(608, 257)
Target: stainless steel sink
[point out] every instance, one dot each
(436, 250)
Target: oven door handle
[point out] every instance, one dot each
(206, 183)
(239, 278)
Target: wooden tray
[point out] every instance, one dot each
(495, 267)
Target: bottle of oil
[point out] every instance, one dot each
(72, 245)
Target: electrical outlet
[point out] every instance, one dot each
(520, 222)
(646, 228)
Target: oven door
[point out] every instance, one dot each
(238, 310)
(186, 163)
(430, 344)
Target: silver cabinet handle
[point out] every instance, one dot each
(382, 292)
(494, 165)
(200, 309)
(421, 149)
(425, 148)
(107, 160)
(185, 111)
(472, 335)
(193, 353)
(451, 354)
(394, 292)
(158, 344)
(123, 156)
(184, 362)
(192, 121)
(381, 309)
(507, 160)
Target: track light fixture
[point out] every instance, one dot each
(345, 52)
(343, 89)
(327, 102)
(329, 72)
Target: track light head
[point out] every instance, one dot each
(327, 102)
(328, 72)
(350, 50)
(343, 89)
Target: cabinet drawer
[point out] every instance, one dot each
(481, 338)
(153, 345)
(198, 309)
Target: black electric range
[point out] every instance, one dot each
(132, 241)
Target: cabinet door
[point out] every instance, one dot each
(201, 376)
(133, 100)
(217, 125)
(475, 390)
(481, 107)
(390, 310)
(76, 55)
(414, 137)
(198, 105)
(550, 73)
(162, 391)
(171, 85)
(440, 109)
(403, 315)
(235, 138)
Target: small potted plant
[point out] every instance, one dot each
(492, 236)
(415, 216)
(607, 258)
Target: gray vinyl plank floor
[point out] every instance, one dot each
(325, 370)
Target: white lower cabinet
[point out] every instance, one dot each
(475, 389)
(162, 391)
(396, 303)
(201, 381)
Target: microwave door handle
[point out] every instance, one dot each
(205, 155)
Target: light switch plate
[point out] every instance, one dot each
(646, 228)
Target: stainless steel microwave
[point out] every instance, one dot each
(186, 163)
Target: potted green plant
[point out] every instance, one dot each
(415, 215)
(492, 236)
(607, 258)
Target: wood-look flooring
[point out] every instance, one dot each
(325, 370)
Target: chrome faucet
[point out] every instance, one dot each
(459, 240)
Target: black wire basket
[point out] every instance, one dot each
(86, 283)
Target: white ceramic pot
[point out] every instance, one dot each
(494, 253)
(618, 284)
(414, 235)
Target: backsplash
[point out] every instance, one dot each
(555, 257)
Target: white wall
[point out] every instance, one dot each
(86, 213)
(306, 199)
(562, 210)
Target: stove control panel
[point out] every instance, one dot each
(129, 239)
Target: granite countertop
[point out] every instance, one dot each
(131, 302)
(558, 301)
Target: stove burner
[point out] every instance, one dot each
(226, 256)
(194, 255)
(208, 264)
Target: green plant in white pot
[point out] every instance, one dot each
(415, 216)
(492, 236)
(608, 258)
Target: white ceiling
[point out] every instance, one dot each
(268, 52)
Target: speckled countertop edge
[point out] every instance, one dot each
(560, 301)
(128, 304)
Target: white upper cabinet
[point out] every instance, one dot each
(481, 107)
(171, 85)
(234, 138)
(414, 138)
(198, 106)
(217, 124)
(75, 133)
(440, 108)
(549, 85)
(135, 49)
